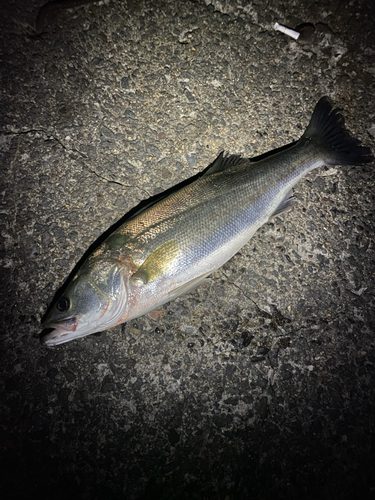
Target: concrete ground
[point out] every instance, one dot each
(260, 384)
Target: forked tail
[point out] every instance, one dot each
(327, 130)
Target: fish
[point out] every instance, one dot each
(170, 247)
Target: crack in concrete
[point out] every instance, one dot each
(82, 155)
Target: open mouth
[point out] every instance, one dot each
(59, 332)
(66, 324)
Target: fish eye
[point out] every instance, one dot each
(63, 304)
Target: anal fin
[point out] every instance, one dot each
(287, 204)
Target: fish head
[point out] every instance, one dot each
(94, 300)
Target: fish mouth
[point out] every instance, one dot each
(62, 331)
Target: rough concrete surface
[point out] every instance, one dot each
(260, 383)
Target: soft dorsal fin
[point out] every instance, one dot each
(223, 163)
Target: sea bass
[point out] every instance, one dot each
(170, 247)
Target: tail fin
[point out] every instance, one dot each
(327, 130)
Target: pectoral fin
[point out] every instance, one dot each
(157, 263)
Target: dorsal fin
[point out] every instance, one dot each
(223, 163)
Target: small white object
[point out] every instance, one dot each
(287, 31)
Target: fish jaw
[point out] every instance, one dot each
(73, 329)
(59, 335)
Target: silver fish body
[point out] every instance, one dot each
(169, 248)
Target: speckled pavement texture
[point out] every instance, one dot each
(259, 384)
